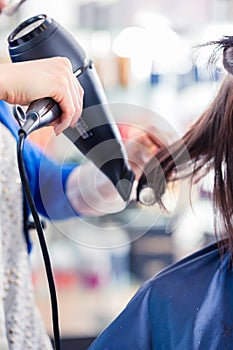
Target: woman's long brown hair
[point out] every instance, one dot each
(208, 144)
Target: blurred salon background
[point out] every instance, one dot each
(154, 73)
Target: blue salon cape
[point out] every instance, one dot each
(188, 306)
(47, 178)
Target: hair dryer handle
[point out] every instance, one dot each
(40, 113)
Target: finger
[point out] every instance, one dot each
(66, 119)
(76, 95)
(145, 143)
(68, 94)
(68, 110)
(74, 91)
(157, 137)
(150, 141)
(79, 95)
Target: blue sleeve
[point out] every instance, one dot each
(47, 178)
(131, 330)
(48, 182)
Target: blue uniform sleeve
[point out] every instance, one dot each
(131, 330)
(48, 183)
(47, 178)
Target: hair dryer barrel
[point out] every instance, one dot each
(95, 134)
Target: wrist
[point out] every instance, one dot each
(5, 81)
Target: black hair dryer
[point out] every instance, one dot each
(95, 134)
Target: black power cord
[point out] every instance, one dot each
(40, 232)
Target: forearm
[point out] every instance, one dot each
(91, 193)
(4, 81)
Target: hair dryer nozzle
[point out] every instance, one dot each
(124, 185)
(146, 196)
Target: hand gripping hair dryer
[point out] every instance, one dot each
(95, 134)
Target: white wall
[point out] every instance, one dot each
(65, 12)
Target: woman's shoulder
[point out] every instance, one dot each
(202, 264)
(180, 290)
